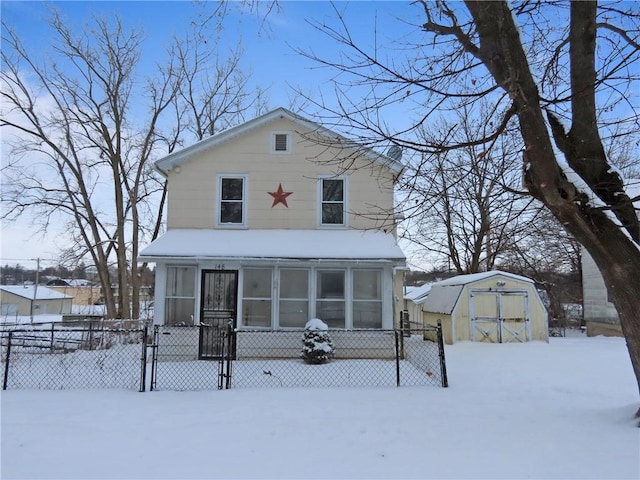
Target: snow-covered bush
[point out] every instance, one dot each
(317, 345)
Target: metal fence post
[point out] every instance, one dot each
(6, 364)
(154, 357)
(443, 365)
(231, 342)
(397, 358)
(143, 361)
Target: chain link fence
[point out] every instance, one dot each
(180, 363)
(60, 358)
(272, 358)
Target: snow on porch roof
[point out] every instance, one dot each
(296, 244)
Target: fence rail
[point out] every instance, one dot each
(73, 358)
(272, 358)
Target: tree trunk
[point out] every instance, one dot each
(612, 246)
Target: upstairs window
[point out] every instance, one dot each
(332, 209)
(281, 142)
(231, 200)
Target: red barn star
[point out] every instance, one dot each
(280, 196)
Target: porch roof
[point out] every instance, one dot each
(276, 244)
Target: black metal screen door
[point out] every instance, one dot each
(218, 309)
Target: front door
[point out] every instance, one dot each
(218, 309)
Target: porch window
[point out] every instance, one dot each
(332, 210)
(330, 297)
(231, 200)
(256, 297)
(180, 295)
(294, 298)
(367, 299)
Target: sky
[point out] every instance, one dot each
(268, 53)
(557, 410)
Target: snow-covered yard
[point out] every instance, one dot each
(537, 410)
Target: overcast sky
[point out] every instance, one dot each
(268, 53)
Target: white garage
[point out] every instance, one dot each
(494, 307)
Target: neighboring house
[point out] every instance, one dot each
(19, 300)
(495, 306)
(274, 222)
(600, 316)
(82, 291)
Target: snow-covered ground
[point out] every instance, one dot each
(557, 410)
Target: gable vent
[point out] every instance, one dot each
(281, 142)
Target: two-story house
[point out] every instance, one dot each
(274, 222)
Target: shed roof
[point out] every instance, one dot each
(476, 277)
(275, 244)
(418, 294)
(307, 127)
(442, 298)
(29, 291)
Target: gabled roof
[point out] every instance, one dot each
(346, 244)
(28, 291)
(174, 159)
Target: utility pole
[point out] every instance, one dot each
(35, 286)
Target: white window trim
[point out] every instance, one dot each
(353, 299)
(245, 207)
(161, 285)
(345, 202)
(272, 142)
(385, 300)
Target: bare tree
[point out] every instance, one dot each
(85, 128)
(464, 205)
(542, 65)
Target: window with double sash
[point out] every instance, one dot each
(332, 204)
(231, 200)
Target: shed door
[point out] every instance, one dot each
(514, 316)
(499, 317)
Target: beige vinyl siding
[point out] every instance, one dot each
(192, 192)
